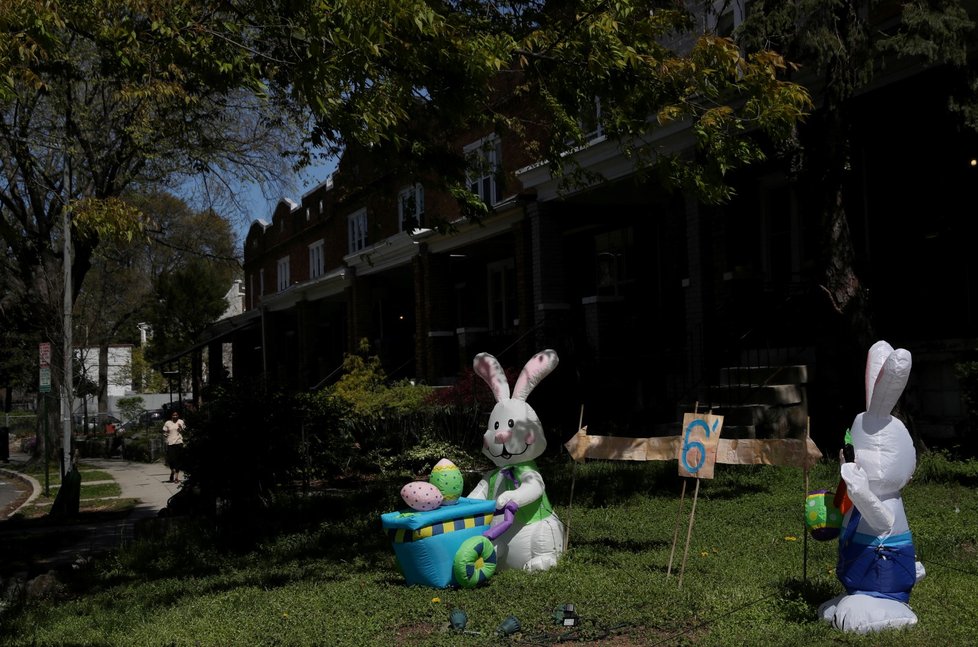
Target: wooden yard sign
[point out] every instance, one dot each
(700, 439)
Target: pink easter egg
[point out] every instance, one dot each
(421, 496)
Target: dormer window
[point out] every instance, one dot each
(282, 274)
(357, 231)
(484, 159)
(317, 265)
(410, 208)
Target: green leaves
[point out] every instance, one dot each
(107, 218)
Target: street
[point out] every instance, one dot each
(12, 492)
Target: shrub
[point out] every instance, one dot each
(942, 467)
(246, 444)
(130, 407)
(21, 424)
(143, 448)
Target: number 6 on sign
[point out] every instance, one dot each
(698, 451)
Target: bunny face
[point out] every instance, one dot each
(514, 434)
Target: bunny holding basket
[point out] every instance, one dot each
(877, 564)
(513, 440)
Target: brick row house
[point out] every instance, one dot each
(652, 300)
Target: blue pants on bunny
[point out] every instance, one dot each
(874, 566)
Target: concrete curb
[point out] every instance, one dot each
(33, 482)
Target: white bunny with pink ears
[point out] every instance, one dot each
(513, 439)
(877, 564)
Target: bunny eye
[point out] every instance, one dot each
(496, 425)
(511, 423)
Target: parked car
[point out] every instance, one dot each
(97, 423)
(152, 416)
(149, 419)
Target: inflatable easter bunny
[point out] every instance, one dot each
(877, 564)
(512, 442)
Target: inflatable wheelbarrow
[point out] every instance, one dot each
(448, 546)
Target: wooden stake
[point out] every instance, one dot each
(689, 532)
(804, 527)
(679, 513)
(570, 502)
(675, 533)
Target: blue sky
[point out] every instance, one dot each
(261, 207)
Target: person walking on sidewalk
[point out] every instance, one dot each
(173, 435)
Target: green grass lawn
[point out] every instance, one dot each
(325, 574)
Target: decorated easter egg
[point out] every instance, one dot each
(446, 476)
(822, 518)
(421, 496)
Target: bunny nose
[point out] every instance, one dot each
(503, 436)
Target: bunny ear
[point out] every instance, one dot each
(487, 367)
(539, 367)
(874, 364)
(890, 383)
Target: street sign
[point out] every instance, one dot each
(44, 352)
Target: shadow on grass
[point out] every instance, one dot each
(610, 483)
(799, 600)
(291, 542)
(29, 543)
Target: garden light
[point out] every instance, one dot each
(508, 627)
(566, 615)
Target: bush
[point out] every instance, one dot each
(21, 424)
(246, 444)
(130, 407)
(403, 428)
(942, 467)
(142, 448)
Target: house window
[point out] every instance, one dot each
(307, 214)
(502, 295)
(591, 122)
(317, 264)
(283, 273)
(723, 16)
(357, 230)
(484, 159)
(410, 208)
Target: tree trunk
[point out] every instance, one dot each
(103, 378)
(847, 329)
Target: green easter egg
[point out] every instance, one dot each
(448, 479)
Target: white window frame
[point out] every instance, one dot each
(405, 197)
(597, 132)
(282, 273)
(722, 17)
(317, 259)
(357, 231)
(484, 159)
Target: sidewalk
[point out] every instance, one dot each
(146, 482)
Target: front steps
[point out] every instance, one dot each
(758, 401)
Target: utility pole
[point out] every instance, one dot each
(68, 383)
